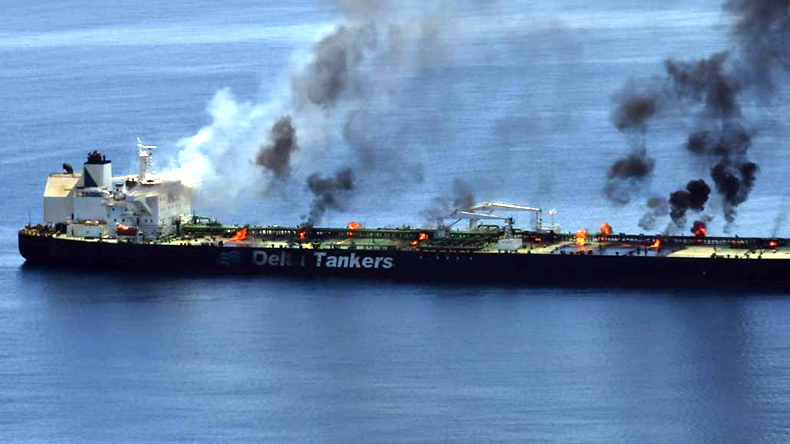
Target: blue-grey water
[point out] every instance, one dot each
(519, 107)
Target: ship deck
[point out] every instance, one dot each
(408, 239)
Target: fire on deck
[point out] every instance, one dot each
(354, 237)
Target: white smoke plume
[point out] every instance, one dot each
(358, 65)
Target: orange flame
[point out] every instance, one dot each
(352, 226)
(699, 229)
(773, 243)
(656, 244)
(239, 236)
(581, 238)
(538, 240)
(125, 230)
(302, 235)
(422, 237)
(606, 229)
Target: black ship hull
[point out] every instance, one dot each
(415, 264)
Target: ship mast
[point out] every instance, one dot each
(144, 157)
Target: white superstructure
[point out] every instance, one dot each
(94, 204)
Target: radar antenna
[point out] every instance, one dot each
(144, 155)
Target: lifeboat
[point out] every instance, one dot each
(125, 230)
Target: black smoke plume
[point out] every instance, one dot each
(709, 90)
(635, 165)
(356, 59)
(462, 198)
(733, 174)
(694, 197)
(275, 154)
(368, 57)
(734, 182)
(635, 105)
(329, 75)
(626, 175)
(730, 142)
(331, 193)
(706, 83)
(762, 31)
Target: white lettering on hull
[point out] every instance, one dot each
(262, 258)
(325, 260)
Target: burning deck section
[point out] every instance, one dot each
(143, 221)
(410, 254)
(409, 239)
(453, 242)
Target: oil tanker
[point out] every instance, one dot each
(145, 222)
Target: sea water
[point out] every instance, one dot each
(520, 109)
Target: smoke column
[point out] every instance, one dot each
(330, 193)
(462, 198)
(275, 155)
(762, 32)
(350, 74)
(707, 90)
(693, 198)
(635, 105)
(627, 175)
(657, 208)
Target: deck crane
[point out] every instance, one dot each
(490, 207)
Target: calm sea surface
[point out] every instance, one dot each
(518, 106)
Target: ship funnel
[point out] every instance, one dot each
(97, 171)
